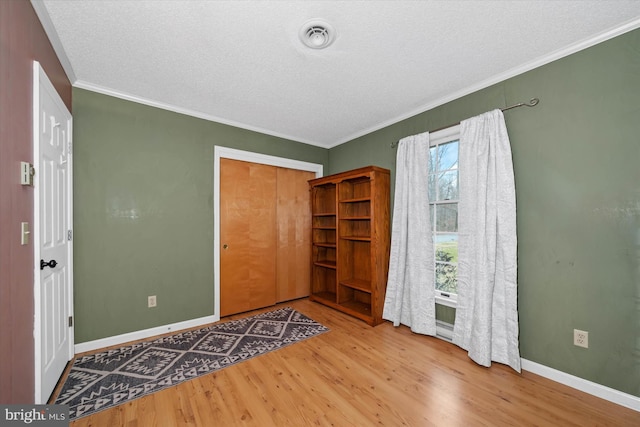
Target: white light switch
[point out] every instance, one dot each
(26, 173)
(24, 240)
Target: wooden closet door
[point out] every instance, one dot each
(248, 197)
(294, 234)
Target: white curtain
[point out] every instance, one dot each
(487, 315)
(410, 296)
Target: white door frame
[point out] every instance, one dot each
(247, 156)
(40, 78)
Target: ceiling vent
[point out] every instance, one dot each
(317, 34)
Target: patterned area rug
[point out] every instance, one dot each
(103, 380)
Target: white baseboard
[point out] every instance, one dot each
(140, 335)
(607, 393)
(445, 331)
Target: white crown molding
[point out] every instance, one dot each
(50, 30)
(594, 389)
(169, 107)
(576, 47)
(571, 49)
(43, 15)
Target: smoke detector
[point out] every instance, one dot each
(317, 34)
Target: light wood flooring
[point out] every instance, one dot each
(357, 375)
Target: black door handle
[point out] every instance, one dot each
(51, 264)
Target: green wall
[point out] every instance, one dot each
(577, 169)
(143, 207)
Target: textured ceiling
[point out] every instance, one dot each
(241, 62)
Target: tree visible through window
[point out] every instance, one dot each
(443, 204)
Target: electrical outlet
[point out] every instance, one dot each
(581, 338)
(151, 301)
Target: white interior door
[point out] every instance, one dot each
(52, 235)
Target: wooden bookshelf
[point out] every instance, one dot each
(351, 239)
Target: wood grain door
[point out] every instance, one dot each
(248, 195)
(294, 234)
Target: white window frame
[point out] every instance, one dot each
(437, 138)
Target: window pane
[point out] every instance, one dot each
(447, 247)
(432, 188)
(446, 277)
(432, 159)
(447, 217)
(443, 211)
(448, 185)
(448, 156)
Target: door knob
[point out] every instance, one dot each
(51, 264)
(225, 246)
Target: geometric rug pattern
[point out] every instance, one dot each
(103, 380)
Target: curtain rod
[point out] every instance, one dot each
(532, 103)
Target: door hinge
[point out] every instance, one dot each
(70, 321)
(69, 235)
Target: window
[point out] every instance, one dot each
(443, 207)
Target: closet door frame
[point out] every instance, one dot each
(247, 156)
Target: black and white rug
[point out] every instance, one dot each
(103, 380)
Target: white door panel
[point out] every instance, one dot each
(52, 225)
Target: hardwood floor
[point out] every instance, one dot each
(357, 375)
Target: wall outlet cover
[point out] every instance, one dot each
(581, 338)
